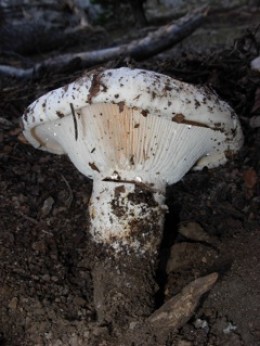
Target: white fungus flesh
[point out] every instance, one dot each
(135, 127)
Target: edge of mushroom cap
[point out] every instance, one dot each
(156, 94)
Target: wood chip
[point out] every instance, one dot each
(179, 309)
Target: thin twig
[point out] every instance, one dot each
(29, 218)
(74, 121)
(70, 198)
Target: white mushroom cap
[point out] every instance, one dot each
(134, 125)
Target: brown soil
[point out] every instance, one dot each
(47, 259)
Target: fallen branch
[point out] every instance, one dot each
(157, 41)
(10, 71)
(34, 36)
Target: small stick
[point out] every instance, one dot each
(74, 120)
(70, 198)
(29, 218)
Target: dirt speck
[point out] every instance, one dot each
(93, 166)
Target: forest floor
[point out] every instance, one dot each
(46, 291)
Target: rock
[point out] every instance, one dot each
(13, 303)
(46, 277)
(184, 343)
(188, 255)
(39, 246)
(194, 231)
(73, 340)
(5, 124)
(47, 207)
(79, 301)
(201, 324)
(255, 64)
(255, 122)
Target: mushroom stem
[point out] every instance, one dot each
(126, 216)
(126, 223)
(124, 289)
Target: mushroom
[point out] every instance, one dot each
(133, 132)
